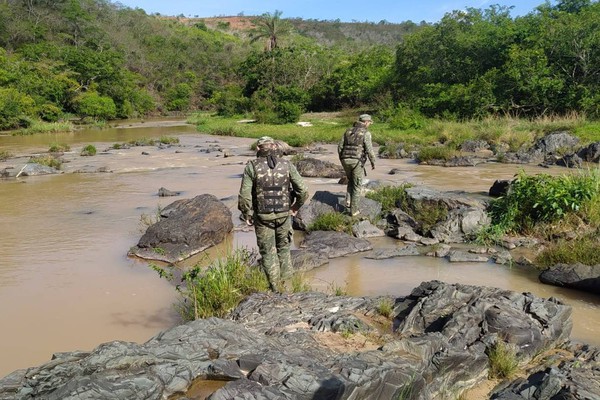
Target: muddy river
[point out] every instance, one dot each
(66, 282)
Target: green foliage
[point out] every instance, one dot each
(168, 140)
(59, 148)
(543, 198)
(385, 307)
(89, 150)
(582, 250)
(15, 107)
(230, 101)
(178, 98)
(332, 221)
(92, 104)
(430, 153)
(390, 197)
(403, 118)
(50, 113)
(47, 160)
(45, 127)
(5, 155)
(503, 360)
(427, 214)
(216, 290)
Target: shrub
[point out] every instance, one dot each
(89, 150)
(50, 113)
(92, 104)
(216, 290)
(385, 307)
(332, 221)
(15, 107)
(59, 148)
(543, 198)
(503, 360)
(390, 197)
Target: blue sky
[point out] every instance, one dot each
(347, 11)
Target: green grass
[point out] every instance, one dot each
(89, 150)
(59, 148)
(332, 221)
(45, 127)
(583, 250)
(5, 155)
(513, 133)
(390, 197)
(216, 290)
(503, 360)
(429, 153)
(47, 160)
(385, 307)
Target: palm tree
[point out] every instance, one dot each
(271, 27)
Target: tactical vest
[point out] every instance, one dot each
(354, 139)
(272, 186)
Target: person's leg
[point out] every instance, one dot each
(352, 167)
(265, 239)
(283, 238)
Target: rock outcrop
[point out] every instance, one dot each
(313, 346)
(186, 227)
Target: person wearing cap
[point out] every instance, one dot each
(271, 192)
(354, 149)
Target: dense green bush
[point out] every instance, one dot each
(92, 104)
(534, 199)
(15, 108)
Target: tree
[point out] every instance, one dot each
(270, 27)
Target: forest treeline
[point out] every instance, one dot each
(99, 60)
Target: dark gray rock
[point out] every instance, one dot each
(576, 276)
(33, 169)
(334, 244)
(291, 346)
(315, 168)
(162, 192)
(577, 377)
(590, 153)
(499, 188)
(186, 227)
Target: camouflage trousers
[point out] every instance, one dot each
(274, 238)
(355, 174)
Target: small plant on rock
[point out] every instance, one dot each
(503, 360)
(89, 150)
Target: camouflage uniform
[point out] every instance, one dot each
(353, 149)
(271, 186)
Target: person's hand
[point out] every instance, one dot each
(293, 212)
(372, 166)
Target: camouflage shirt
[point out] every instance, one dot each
(250, 194)
(367, 145)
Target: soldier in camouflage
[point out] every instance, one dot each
(271, 191)
(354, 149)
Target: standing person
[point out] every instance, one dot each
(353, 149)
(271, 191)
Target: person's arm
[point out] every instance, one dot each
(340, 146)
(245, 194)
(369, 149)
(299, 188)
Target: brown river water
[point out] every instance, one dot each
(66, 282)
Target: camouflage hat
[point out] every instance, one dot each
(264, 141)
(365, 117)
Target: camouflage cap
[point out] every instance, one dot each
(265, 140)
(365, 117)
